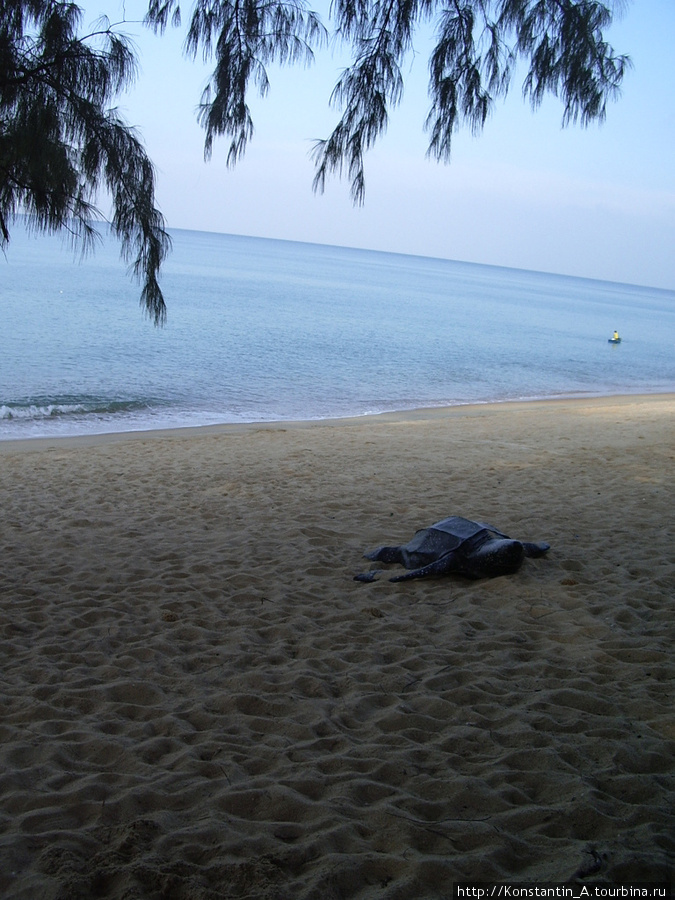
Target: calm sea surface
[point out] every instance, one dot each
(263, 330)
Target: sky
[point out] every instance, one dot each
(596, 202)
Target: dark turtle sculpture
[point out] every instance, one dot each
(456, 546)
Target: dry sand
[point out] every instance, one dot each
(198, 701)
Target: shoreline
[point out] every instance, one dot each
(415, 414)
(200, 701)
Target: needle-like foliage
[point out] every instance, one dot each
(478, 46)
(243, 36)
(62, 143)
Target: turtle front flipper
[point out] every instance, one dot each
(441, 566)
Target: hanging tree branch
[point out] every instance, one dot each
(478, 44)
(61, 142)
(244, 36)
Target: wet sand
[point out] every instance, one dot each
(198, 701)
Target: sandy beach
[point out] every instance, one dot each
(198, 701)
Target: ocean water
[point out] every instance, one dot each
(266, 330)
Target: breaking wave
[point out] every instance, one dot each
(50, 408)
